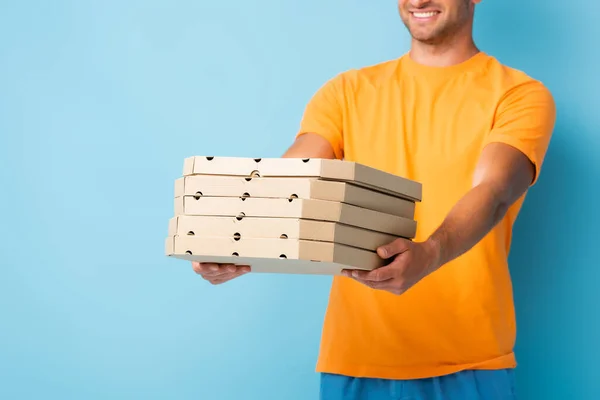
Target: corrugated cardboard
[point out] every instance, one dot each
(290, 256)
(320, 210)
(277, 228)
(336, 170)
(296, 187)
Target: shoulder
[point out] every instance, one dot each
(369, 75)
(515, 84)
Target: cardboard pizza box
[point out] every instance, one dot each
(320, 210)
(302, 188)
(277, 228)
(290, 256)
(326, 169)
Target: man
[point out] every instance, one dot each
(437, 322)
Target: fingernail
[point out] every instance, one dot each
(214, 268)
(355, 274)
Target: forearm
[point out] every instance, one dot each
(310, 145)
(473, 216)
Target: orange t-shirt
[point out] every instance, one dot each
(429, 124)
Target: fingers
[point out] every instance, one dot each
(394, 248)
(388, 278)
(217, 280)
(392, 285)
(376, 275)
(219, 273)
(212, 269)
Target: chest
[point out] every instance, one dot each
(412, 127)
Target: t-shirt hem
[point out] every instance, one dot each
(415, 372)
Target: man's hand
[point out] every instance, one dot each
(219, 273)
(412, 261)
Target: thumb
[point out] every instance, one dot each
(391, 249)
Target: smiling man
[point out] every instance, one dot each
(438, 321)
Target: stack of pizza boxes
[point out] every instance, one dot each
(289, 215)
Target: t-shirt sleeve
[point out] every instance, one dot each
(525, 119)
(323, 115)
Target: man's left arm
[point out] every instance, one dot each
(509, 164)
(502, 176)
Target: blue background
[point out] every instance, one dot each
(101, 101)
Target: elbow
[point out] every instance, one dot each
(498, 199)
(500, 210)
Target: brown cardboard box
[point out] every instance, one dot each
(293, 188)
(336, 170)
(292, 256)
(276, 228)
(320, 210)
(282, 215)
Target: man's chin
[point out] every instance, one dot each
(426, 39)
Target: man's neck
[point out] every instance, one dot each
(443, 54)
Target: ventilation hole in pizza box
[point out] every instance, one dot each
(235, 254)
(240, 216)
(283, 236)
(254, 174)
(188, 252)
(191, 233)
(248, 179)
(282, 256)
(305, 160)
(245, 196)
(197, 195)
(257, 159)
(292, 197)
(237, 236)
(209, 158)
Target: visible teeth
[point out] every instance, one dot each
(424, 14)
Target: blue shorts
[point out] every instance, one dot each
(464, 385)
